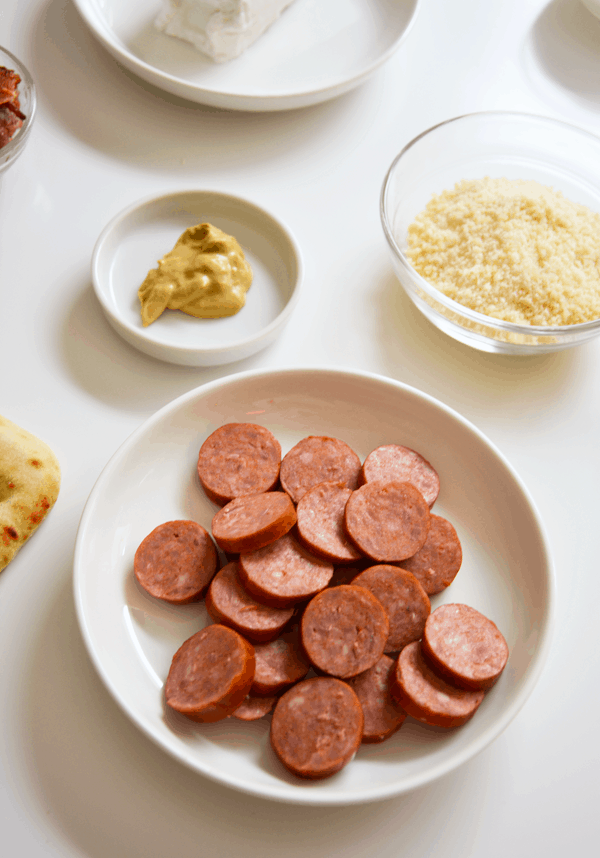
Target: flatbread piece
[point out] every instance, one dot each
(29, 485)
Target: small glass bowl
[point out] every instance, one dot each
(494, 144)
(27, 99)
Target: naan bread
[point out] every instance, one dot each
(29, 484)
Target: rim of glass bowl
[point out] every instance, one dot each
(19, 139)
(454, 307)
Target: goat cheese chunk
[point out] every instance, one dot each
(221, 29)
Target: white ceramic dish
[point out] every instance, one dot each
(313, 52)
(507, 571)
(592, 6)
(135, 239)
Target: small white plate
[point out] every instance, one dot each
(507, 570)
(133, 242)
(316, 50)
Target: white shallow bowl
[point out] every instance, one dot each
(133, 242)
(313, 52)
(496, 144)
(507, 570)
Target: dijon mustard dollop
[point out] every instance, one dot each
(205, 275)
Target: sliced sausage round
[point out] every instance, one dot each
(238, 459)
(388, 521)
(284, 572)
(229, 603)
(464, 646)
(279, 664)
(321, 522)
(344, 630)
(176, 562)
(383, 715)
(405, 601)
(401, 464)
(317, 727)
(425, 696)
(346, 574)
(252, 708)
(317, 459)
(437, 562)
(210, 674)
(253, 521)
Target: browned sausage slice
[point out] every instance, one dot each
(464, 646)
(279, 664)
(253, 521)
(425, 696)
(210, 674)
(401, 464)
(176, 562)
(229, 603)
(252, 708)
(383, 716)
(238, 459)
(388, 521)
(318, 459)
(284, 572)
(437, 562)
(405, 601)
(321, 522)
(317, 727)
(346, 574)
(344, 630)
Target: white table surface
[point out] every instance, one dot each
(77, 778)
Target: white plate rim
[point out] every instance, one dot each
(230, 98)
(309, 797)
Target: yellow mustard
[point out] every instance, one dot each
(205, 275)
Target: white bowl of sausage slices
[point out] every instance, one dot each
(369, 566)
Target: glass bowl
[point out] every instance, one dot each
(494, 144)
(27, 98)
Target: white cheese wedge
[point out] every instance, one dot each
(221, 29)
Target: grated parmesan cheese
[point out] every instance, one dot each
(511, 249)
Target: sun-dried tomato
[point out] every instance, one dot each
(11, 117)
